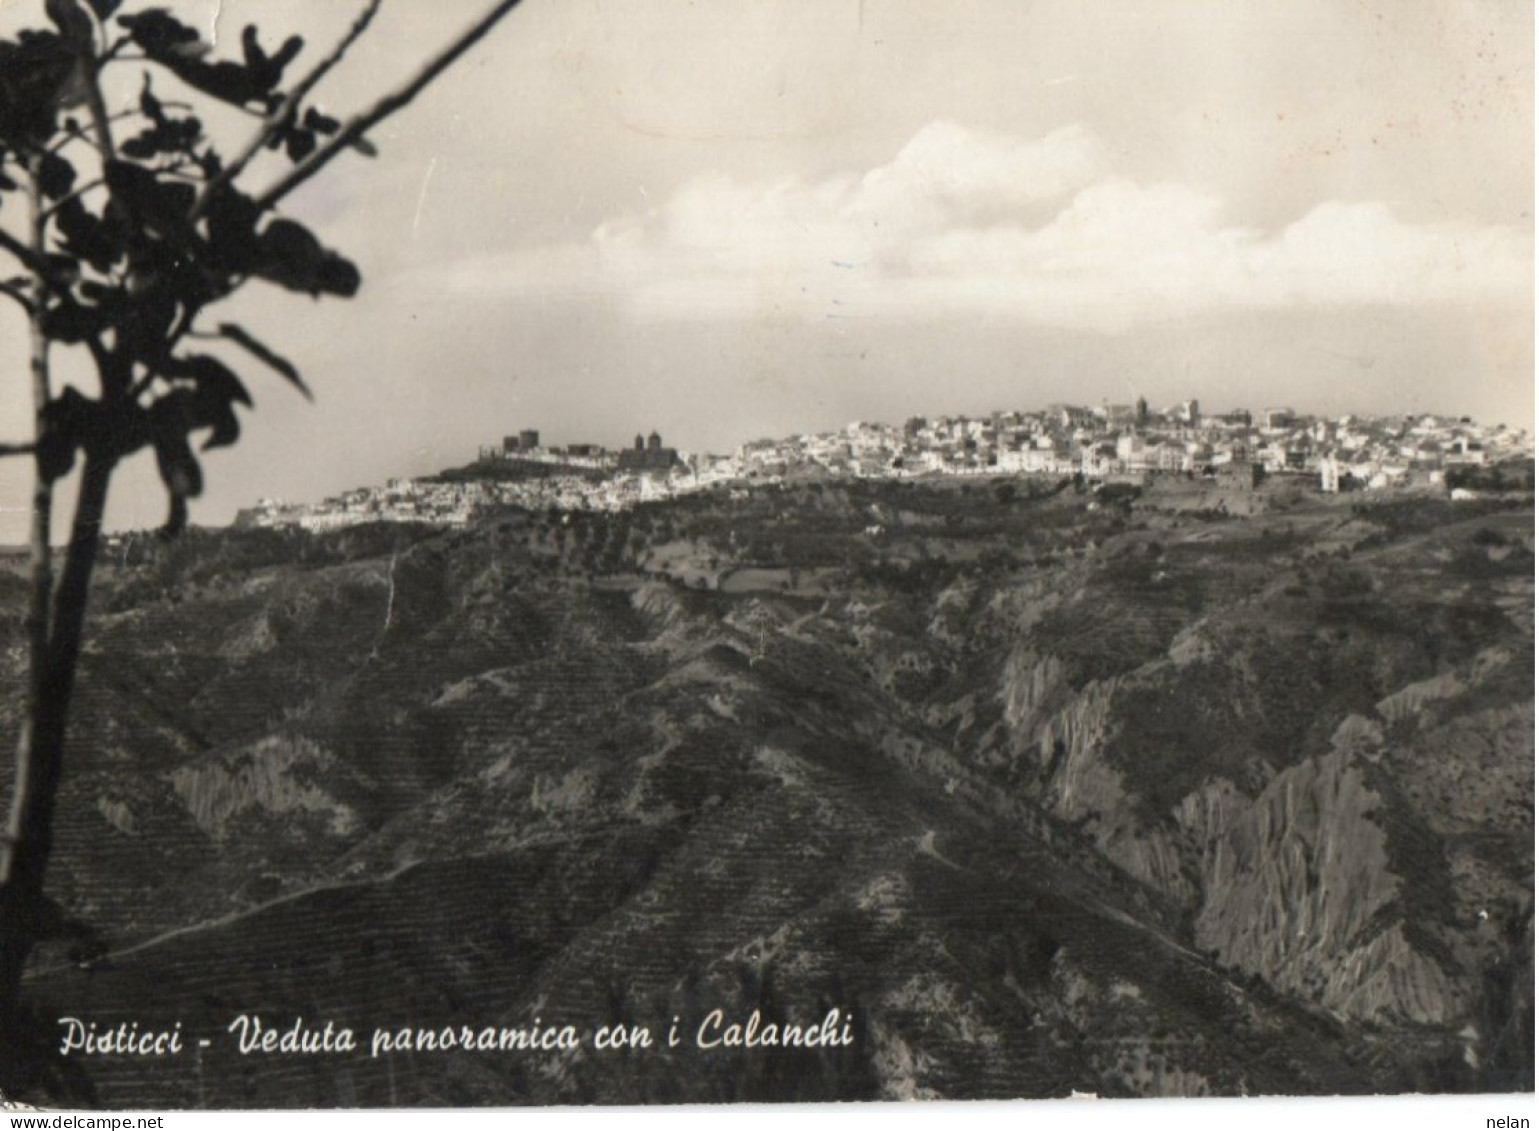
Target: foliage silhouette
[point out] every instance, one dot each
(138, 223)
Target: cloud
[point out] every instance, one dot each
(966, 223)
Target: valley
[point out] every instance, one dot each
(1044, 788)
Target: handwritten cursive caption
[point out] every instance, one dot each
(252, 1034)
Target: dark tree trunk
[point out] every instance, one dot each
(13, 913)
(40, 753)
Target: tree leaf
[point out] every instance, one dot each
(149, 105)
(220, 417)
(320, 123)
(265, 355)
(37, 77)
(55, 453)
(267, 71)
(228, 82)
(147, 319)
(87, 236)
(231, 224)
(63, 270)
(143, 145)
(339, 277)
(298, 144)
(55, 176)
(295, 259)
(178, 48)
(163, 205)
(255, 56)
(210, 375)
(71, 20)
(69, 322)
(209, 403)
(161, 34)
(68, 423)
(172, 418)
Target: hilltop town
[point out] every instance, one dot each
(1101, 444)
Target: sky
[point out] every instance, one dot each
(743, 218)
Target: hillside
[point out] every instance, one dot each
(1124, 794)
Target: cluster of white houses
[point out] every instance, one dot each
(1061, 440)
(1132, 439)
(440, 503)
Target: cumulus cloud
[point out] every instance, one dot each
(962, 222)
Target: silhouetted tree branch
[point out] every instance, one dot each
(23, 254)
(129, 240)
(286, 109)
(356, 127)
